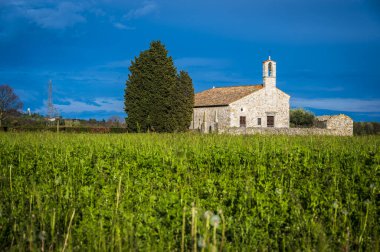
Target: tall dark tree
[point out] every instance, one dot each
(185, 100)
(151, 91)
(9, 102)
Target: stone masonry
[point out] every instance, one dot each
(257, 109)
(263, 105)
(340, 123)
(255, 106)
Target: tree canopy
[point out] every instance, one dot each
(156, 97)
(301, 117)
(9, 102)
(185, 100)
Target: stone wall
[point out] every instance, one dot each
(260, 104)
(288, 131)
(209, 114)
(336, 122)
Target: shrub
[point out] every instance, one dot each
(301, 118)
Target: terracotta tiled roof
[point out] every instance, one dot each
(223, 95)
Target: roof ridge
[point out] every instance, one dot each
(248, 85)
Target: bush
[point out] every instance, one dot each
(301, 118)
(366, 128)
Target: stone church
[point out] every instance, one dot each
(245, 106)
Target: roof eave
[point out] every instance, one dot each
(210, 106)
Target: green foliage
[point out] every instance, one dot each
(154, 94)
(185, 101)
(366, 128)
(135, 192)
(301, 118)
(24, 120)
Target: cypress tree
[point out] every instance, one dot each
(150, 94)
(185, 99)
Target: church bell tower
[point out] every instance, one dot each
(269, 73)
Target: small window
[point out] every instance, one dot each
(258, 121)
(241, 109)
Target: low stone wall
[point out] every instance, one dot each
(288, 131)
(340, 122)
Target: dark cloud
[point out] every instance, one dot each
(325, 49)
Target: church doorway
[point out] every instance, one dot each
(242, 121)
(270, 121)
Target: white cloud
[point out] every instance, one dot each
(148, 7)
(98, 105)
(63, 15)
(121, 26)
(339, 104)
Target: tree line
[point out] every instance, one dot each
(366, 128)
(157, 98)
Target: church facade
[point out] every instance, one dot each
(246, 106)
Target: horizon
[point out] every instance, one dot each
(327, 51)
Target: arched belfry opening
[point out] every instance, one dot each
(270, 73)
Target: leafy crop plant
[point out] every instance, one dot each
(188, 192)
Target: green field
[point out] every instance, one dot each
(173, 192)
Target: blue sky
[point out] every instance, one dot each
(327, 51)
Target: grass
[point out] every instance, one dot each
(185, 192)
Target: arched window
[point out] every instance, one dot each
(269, 69)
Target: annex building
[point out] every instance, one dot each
(245, 106)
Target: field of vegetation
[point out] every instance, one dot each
(185, 192)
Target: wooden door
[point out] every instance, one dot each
(242, 121)
(270, 121)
